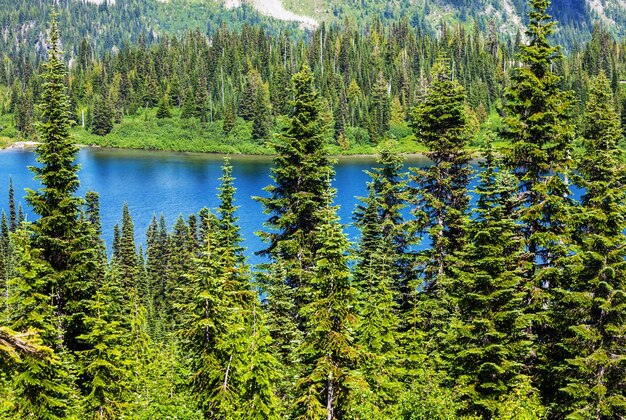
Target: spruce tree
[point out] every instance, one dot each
(489, 340)
(301, 175)
(105, 372)
(538, 126)
(440, 199)
(380, 110)
(40, 381)
(55, 203)
(179, 264)
(594, 302)
(12, 212)
(262, 119)
(440, 124)
(328, 384)
(64, 239)
(127, 260)
(378, 332)
(163, 111)
(381, 274)
(233, 370)
(102, 123)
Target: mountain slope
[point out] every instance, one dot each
(109, 24)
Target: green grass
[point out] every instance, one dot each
(145, 131)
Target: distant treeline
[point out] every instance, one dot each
(369, 78)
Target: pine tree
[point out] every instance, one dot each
(40, 381)
(328, 382)
(64, 240)
(539, 129)
(102, 122)
(163, 111)
(594, 303)
(56, 204)
(489, 340)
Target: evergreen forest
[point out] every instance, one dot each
(509, 305)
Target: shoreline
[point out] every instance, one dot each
(31, 145)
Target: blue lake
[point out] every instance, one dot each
(173, 184)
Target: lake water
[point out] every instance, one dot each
(173, 184)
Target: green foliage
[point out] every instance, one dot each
(594, 303)
(105, 371)
(440, 198)
(233, 371)
(102, 122)
(40, 380)
(538, 126)
(490, 340)
(329, 380)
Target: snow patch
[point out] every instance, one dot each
(598, 7)
(231, 4)
(99, 2)
(274, 9)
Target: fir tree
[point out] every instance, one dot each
(105, 372)
(301, 174)
(374, 278)
(263, 113)
(64, 240)
(594, 303)
(40, 381)
(441, 198)
(328, 382)
(127, 258)
(233, 376)
(92, 211)
(12, 212)
(163, 111)
(539, 129)
(102, 122)
(489, 340)
(380, 111)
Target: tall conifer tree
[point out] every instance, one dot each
(538, 126)
(441, 197)
(301, 174)
(489, 341)
(64, 239)
(595, 302)
(328, 384)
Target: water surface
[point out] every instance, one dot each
(174, 184)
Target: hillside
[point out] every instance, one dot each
(576, 17)
(108, 24)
